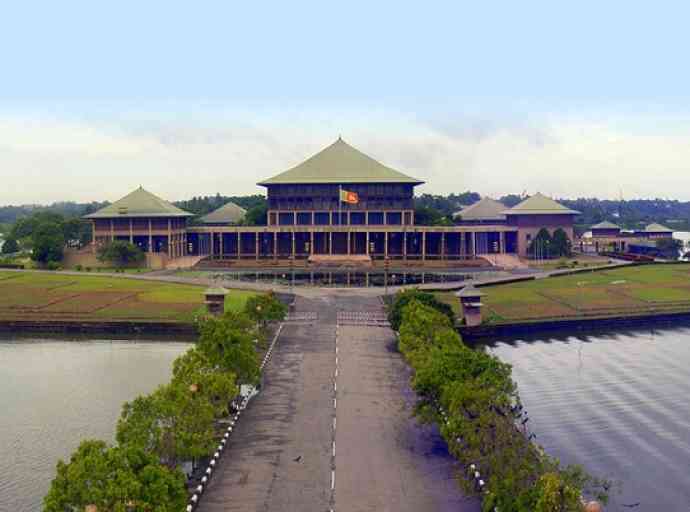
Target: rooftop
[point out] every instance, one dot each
(484, 209)
(539, 204)
(606, 225)
(340, 163)
(657, 228)
(139, 203)
(229, 213)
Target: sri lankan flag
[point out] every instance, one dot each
(347, 196)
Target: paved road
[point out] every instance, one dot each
(281, 457)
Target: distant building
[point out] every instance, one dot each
(141, 218)
(605, 229)
(228, 214)
(339, 203)
(537, 212)
(655, 231)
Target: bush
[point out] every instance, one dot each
(120, 253)
(78, 268)
(403, 298)
(53, 265)
(265, 308)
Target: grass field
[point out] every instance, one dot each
(54, 296)
(619, 292)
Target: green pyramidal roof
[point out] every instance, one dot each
(229, 213)
(605, 225)
(340, 163)
(657, 228)
(484, 209)
(539, 204)
(140, 203)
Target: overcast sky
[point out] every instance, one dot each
(194, 98)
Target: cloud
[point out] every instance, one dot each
(45, 160)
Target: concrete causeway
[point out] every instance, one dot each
(332, 428)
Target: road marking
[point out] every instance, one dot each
(335, 386)
(336, 372)
(334, 422)
(336, 361)
(335, 403)
(332, 479)
(333, 448)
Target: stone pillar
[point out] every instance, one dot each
(215, 300)
(131, 232)
(112, 230)
(93, 236)
(150, 237)
(222, 248)
(366, 219)
(330, 243)
(473, 247)
(275, 245)
(405, 245)
(503, 242)
(423, 245)
(293, 245)
(311, 241)
(256, 244)
(367, 243)
(294, 218)
(348, 239)
(443, 246)
(385, 244)
(169, 239)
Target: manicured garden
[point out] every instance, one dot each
(43, 296)
(625, 291)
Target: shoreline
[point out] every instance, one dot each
(581, 324)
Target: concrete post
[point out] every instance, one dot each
(443, 246)
(239, 246)
(131, 232)
(330, 242)
(405, 245)
(112, 230)
(423, 245)
(222, 249)
(311, 242)
(275, 245)
(473, 247)
(256, 245)
(293, 245)
(367, 244)
(348, 240)
(503, 242)
(385, 245)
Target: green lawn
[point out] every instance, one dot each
(619, 292)
(45, 296)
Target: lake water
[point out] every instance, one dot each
(53, 394)
(617, 403)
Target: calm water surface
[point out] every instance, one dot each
(53, 394)
(619, 404)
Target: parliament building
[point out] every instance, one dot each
(336, 207)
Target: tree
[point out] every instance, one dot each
(669, 248)
(426, 216)
(115, 479)
(48, 243)
(194, 370)
(256, 216)
(539, 247)
(174, 422)
(228, 342)
(560, 244)
(120, 253)
(10, 246)
(264, 308)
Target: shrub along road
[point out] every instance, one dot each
(283, 456)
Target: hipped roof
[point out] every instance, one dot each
(539, 204)
(606, 225)
(228, 213)
(340, 163)
(484, 209)
(657, 228)
(139, 203)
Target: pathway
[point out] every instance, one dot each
(332, 428)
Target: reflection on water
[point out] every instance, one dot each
(349, 279)
(619, 404)
(53, 394)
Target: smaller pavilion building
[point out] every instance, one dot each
(143, 219)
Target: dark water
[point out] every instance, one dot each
(619, 404)
(53, 394)
(349, 279)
